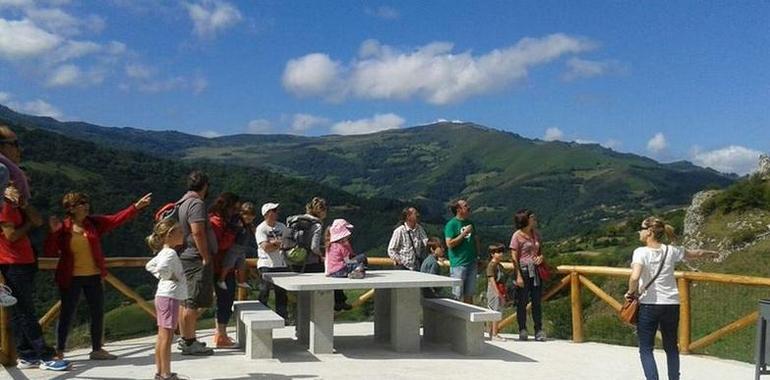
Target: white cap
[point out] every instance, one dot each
(268, 206)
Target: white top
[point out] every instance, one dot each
(664, 291)
(167, 268)
(264, 233)
(375, 279)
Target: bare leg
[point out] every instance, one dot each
(163, 351)
(188, 322)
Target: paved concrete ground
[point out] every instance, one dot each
(358, 357)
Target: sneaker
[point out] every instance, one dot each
(223, 341)
(197, 349)
(172, 376)
(540, 336)
(101, 355)
(244, 285)
(357, 274)
(180, 344)
(6, 299)
(221, 285)
(498, 338)
(55, 365)
(26, 364)
(523, 335)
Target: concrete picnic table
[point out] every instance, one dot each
(397, 305)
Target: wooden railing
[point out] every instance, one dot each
(575, 276)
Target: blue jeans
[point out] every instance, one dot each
(466, 273)
(652, 317)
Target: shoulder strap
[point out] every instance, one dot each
(411, 242)
(660, 268)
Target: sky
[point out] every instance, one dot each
(685, 80)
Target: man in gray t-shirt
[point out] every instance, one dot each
(200, 247)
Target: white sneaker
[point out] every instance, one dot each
(244, 285)
(221, 285)
(6, 299)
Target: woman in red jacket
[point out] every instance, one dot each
(81, 266)
(222, 216)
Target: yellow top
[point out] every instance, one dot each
(84, 264)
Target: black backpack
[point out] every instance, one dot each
(297, 239)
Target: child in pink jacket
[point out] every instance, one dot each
(341, 261)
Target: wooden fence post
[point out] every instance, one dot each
(685, 319)
(577, 308)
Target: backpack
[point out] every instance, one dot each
(297, 238)
(170, 210)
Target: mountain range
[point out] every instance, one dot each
(573, 187)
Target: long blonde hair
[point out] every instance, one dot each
(659, 229)
(160, 233)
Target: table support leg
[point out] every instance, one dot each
(382, 315)
(321, 322)
(302, 324)
(405, 319)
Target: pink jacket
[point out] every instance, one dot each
(336, 255)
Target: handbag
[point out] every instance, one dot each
(629, 312)
(544, 271)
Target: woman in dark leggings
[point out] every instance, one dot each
(221, 216)
(526, 256)
(81, 266)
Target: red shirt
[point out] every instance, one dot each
(19, 251)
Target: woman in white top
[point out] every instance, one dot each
(659, 304)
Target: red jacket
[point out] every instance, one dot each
(58, 242)
(225, 239)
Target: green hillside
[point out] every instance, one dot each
(573, 187)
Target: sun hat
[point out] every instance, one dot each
(339, 230)
(268, 206)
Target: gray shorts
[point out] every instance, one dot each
(494, 302)
(200, 283)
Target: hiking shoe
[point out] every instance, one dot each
(221, 285)
(101, 355)
(523, 335)
(55, 365)
(6, 299)
(342, 306)
(357, 274)
(180, 344)
(26, 364)
(540, 336)
(171, 376)
(498, 338)
(244, 285)
(196, 349)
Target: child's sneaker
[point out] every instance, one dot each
(26, 364)
(244, 285)
(498, 338)
(55, 365)
(356, 274)
(221, 285)
(6, 299)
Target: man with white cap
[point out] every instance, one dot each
(269, 257)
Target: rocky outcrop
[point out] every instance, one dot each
(694, 220)
(764, 167)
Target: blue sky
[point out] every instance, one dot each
(669, 80)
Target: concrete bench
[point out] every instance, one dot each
(448, 320)
(254, 328)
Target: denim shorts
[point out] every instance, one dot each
(466, 273)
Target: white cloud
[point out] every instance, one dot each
(657, 143)
(73, 50)
(209, 17)
(585, 141)
(313, 74)
(553, 134)
(383, 12)
(23, 39)
(301, 122)
(731, 159)
(37, 107)
(139, 71)
(194, 84)
(4, 97)
(578, 68)
(379, 122)
(210, 134)
(613, 144)
(72, 75)
(432, 72)
(259, 126)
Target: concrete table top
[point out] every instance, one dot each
(375, 279)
